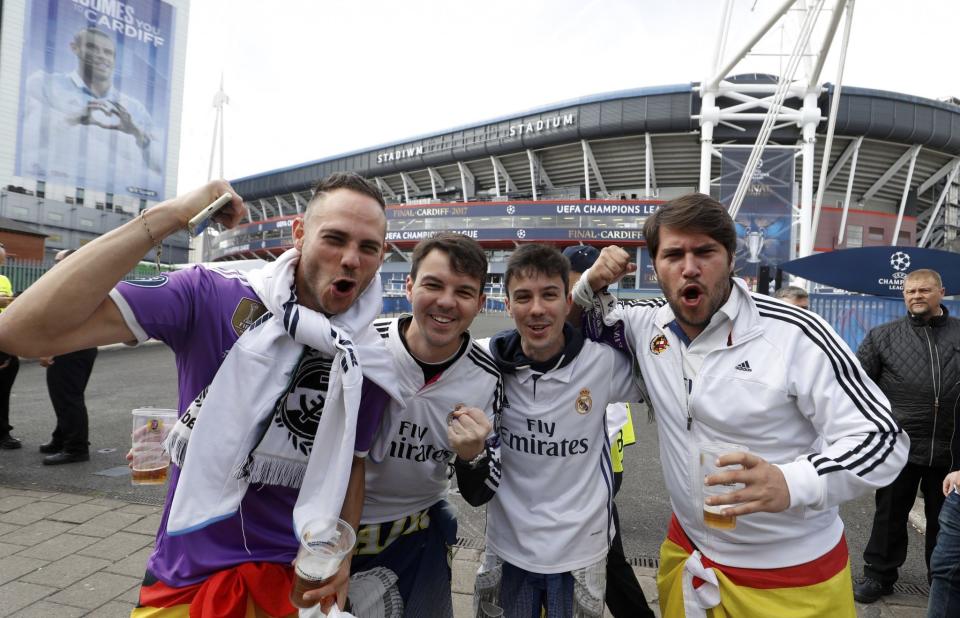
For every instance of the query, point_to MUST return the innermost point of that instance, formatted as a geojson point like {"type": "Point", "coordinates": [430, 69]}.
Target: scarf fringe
{"type": "Point", "coordinates": [176, 445]}
{"type": "Point", "coordinates": [269, 470]}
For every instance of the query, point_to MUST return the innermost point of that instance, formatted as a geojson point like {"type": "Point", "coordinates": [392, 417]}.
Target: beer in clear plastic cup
{"type": "Point", "coordinates": [713, 516]}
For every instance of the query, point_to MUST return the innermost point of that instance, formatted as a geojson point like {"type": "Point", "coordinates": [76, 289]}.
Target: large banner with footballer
{"type": "Point", "coordinates": [95, 94]}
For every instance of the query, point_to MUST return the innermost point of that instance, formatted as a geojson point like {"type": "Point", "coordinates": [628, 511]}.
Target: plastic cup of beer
{"type": "Point", "coordinates": [710, 452]}
{"type": "Point", "coordinates": [151, 462]}
{"type": "Point", "coordinates": [324, 543]}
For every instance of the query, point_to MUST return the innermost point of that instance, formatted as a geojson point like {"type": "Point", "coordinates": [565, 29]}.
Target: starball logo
{"type": "Point", "coordinates": [899, 262]}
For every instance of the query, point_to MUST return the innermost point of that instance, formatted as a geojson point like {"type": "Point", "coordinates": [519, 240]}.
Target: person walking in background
{"type": "Point", "coordinates": [67, 377]}
{"type": "Point", "coordinates": [795, 295]}
{"type": "Point", "coordinates": [9, 367]}
{"type": "Point", "coordinates": [916, 362]}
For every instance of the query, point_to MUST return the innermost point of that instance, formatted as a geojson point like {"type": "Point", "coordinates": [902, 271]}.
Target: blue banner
{"type": "Point", "coordinates": [538, 208]}
{"type": "Point", "coordinates": [763, 221]}
{"type": "Point", "coordinates": [876, 270]}
{"type": "Point", "coordinates": [95, 95]}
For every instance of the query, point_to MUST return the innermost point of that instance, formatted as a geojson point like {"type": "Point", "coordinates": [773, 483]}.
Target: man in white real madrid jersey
{"type": "Point", "coordinates": [451, 391]}
{"type": "Point", "coordinates": [549, 523]}
{"type": "Point", "coordinates": [724, 365]}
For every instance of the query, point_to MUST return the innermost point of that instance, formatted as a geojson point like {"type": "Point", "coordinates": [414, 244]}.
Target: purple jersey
{"type": "Point", "coordinates": [200, 313]}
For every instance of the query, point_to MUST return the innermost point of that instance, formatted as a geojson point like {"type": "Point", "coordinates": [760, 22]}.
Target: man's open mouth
{"type": "Point", "coordinates": [691, 293]}
{"type": "Point", "coordinates": [344, 286]}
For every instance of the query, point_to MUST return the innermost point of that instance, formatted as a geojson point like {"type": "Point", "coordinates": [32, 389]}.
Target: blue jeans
{"type": "Point", "coordinates": [945, 563]}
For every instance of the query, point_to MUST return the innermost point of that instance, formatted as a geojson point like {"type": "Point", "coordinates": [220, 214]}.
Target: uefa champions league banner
{"type": "Point", "coordinates": [764, 219]}
{"type": "Point", "coordinates": [95, 94]}
{"type": "Point", "coordinates": [879, 271]}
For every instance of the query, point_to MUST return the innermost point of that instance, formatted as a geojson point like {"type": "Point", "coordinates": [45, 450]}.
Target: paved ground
{"type": "Point", "coordinates": [68, 554]}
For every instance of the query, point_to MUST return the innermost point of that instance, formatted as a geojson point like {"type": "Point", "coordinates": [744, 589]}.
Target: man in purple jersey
{"type": "Point", "coordinates": [241, 560]}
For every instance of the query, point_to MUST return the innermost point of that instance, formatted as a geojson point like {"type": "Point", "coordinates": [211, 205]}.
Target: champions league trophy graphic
{"type": "Point", "coordinates": [754, 239]}
{"type": "Point", "coordinates": [762, 239]}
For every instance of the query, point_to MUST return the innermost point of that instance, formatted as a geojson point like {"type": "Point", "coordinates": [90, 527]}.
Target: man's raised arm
{"type": "Point", "coordinates": [68, 308]}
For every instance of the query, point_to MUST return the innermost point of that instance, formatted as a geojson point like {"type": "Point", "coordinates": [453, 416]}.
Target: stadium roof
{"type": "Point", "coordinates": [547, 144]}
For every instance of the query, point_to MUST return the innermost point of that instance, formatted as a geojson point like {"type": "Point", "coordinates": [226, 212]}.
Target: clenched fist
{"type": "Point", "coordinates": [467, 431]}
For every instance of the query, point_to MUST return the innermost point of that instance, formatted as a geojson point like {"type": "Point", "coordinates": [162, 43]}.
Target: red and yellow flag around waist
{"type": "Point", "coordinates": [821, 587]}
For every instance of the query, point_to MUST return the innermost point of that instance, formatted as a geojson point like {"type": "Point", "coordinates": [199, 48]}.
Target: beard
{"type": "Point", "coordinates": [714, 298]}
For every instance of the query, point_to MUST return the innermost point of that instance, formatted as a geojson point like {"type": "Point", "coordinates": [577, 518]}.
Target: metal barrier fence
{"type": "Point", "coordinates": [22, 273]}
{"type": "Point", "coordinates": [853, 316]}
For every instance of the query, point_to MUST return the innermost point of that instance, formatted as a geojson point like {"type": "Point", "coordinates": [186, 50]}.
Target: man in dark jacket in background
{"type": "Point", "coordinates": [916, 363]}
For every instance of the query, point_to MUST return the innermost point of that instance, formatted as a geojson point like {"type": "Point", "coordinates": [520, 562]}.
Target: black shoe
{"type": "Point", "coordinates": [51, 447]}
{"type": "Point", "coordinates": [870, 590]}
{"type": "Point", "coordinates": [9, 443]}
{"type": "Point", "coordinates": [64, 457]}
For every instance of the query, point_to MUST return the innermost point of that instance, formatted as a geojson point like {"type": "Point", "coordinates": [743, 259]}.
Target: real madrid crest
{"type": "Point", "coordinates": [658, 344]}
{"type": "Point", "coordinates": [584, 402]}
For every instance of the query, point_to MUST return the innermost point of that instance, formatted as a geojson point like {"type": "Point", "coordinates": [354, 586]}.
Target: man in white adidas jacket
{"type": "Point", "coordinates": [724, 365]}
{"type": "Point", "coordinates": [451, 394]}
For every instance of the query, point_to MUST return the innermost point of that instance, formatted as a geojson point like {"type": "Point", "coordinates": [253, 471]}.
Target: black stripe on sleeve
{"type": "Point", "coordinates": [851, 381]}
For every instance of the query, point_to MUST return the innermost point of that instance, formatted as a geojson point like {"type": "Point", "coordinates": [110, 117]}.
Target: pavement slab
{"type": "Point", "coordinates": [95, 590]}
{"type": "Point", "coordinates": [66, 571]}
{"type": "Point", "coordinates": [35, 533]}
{"type": "Point", "coordinates": [80, 513]}
{"type": "Point", "coordinates": [32, 512]}
{"type": "Point", "coordinates": [117, 546]}
{"type": "Point", "coordinates": [59, 546]}
{"type": "Point", "coordinates": [17, 595]}
{"type": "Point", "coordinates": [14, 567]}
{"type": "Point", "coordinates": [46, 609]}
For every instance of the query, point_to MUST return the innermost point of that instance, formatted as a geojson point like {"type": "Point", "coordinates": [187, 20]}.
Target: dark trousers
{"type": "Point", "coordinates": [887, 548]}
{"type": "Point", "coordinates": [67, 379]}
{"type": "Point", "coordinates": [7, 375]}
{"type": "Point", "coordinates": [624, 596]}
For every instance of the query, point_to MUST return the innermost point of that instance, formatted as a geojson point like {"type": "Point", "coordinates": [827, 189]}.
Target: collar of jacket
{"type": "Point", "coordinates": [934, 322]}
{"type": "Point", "coordinates": [509, 357]}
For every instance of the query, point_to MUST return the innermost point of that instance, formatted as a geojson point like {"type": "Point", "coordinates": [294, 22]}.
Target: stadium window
{"type": "Point", "coordinates": [904, 238]}
{"type": "Point", "coordinates": [54, 216]}
{"type": "Point", "coordinates": [79, 197]}
{"type": "Point", "coordinates": [109, 200]}
{"type": "Point", "coordinates": [875, 233]}
{"type": "Point", "coordinates": [854, 236]}
{"type": "Point", "coordinates": [143, 203]}
{"type": "Point", "coordinates": [86, 222]}
{"type": "Point", "coordinates": [41, 188]}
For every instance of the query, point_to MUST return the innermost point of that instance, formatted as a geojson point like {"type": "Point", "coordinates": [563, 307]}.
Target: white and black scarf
{"type": "Point", "coordinates": [228, 439]}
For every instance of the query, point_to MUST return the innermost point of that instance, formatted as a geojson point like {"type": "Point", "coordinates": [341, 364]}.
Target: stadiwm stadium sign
{"type": "Point", "coordinates": [879, 271]}
{"type": "Point", "coordinates": [399, 154]}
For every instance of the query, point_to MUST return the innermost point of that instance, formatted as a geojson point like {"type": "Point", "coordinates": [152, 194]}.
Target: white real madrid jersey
{"type": "Point", "coordinates": [552, 511]}
{"type": "Point", "coordinates": [406, 469]}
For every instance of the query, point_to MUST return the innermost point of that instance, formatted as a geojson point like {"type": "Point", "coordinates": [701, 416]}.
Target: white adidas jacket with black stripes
{"type": "Point", "coordinates": [778, 380]}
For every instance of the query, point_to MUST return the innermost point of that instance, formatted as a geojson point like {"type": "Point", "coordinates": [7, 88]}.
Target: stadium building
{"type": "Point", "coordinates": [90, 105]}
{"type": "Point", "coordinates": [592, 169]}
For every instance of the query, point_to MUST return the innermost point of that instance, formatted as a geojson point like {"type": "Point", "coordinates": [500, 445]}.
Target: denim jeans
{"type": "Point", "coordinates": [945, 563]}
